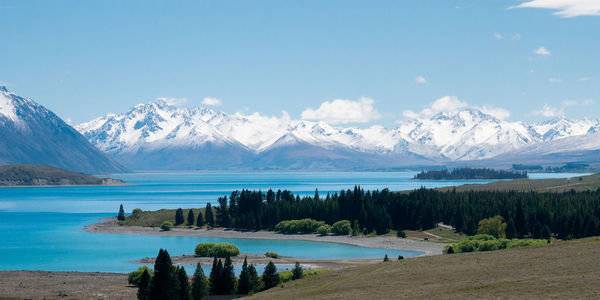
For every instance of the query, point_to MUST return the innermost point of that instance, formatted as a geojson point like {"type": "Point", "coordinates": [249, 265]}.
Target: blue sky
{"type": "Point", "coordinates": [83, 59]}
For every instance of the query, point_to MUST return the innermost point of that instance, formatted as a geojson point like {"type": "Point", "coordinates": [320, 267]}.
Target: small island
{"type": "Point", "coordinates": [470, 174]}
{"type": "Point", "coordinates": [40, 175]}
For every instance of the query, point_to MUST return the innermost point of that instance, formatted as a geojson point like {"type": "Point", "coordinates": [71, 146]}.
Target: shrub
{"type": "Point", "coordinates": [271, 254]}
{"type": "Point", "coordinates": [136, 212]}
{"type": "Point", "coordinates": [401, 234]}
{"type": "Point", "coordinates": [166, 225]}
{"type": "Point", "coordinates": [494, 226]}
{"type": "Point", "coordinates": [134, 277]}
{"type": "Point", "coordinates": [287, 275]}
{"type": "Point", "coordinates": [324, 229]}
{"type": "Point", "coordinates": [486, 242]}
{"type": "Point", "coordinates": [342, 227]}
{"type": "Point", "coordinates": [216, 249]}
{"type": "Point", "coordinates": [298, 226]}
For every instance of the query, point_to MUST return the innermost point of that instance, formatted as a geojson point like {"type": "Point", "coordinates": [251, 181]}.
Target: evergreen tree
{"type": "Point", "coordinates": [214, 278]}
{"type": "Point", "coordinates": [520, 222]}
{"type": "Point", "coordinates": [199, 284]}
{"type": "Point", "coordinates": [297, 272]}
{"type": "Point", "coordinates": [450, 250]}
{"type": "Point", "coordinates": [121, 216]}
{"type": "Point", "coordinates": [546, 232]}
{"type": "Point", "coordinates": [143, 286]}
{"type": "Point", "coordinates": [200, 220]}
{"type": "Point", "coordinates": [253, 279]}
{"type": "Point", "coordinates": [511, 232]}
{"type": "Point", "coordinates": [244, 280]}
{"type": "Point", "coordinates": [228, 277]}
{"type": "Point", "coordinates": [164, 285]}
{"type": "Point", "coordinates": [184, 284]}
{"type": "Point", "coordinates": [222, 212]}
{"type": "Point", "coordinates": [208, 215]}
{"type": "Point", "coordinates": [356, 228]}
{"type": "Point", "coordinates": [270, 276]}
{"type": "Point", "coordinates": [385, 258]}
{"type": "Point", "coordinates": [191, 219]}
{"type": "Point", "coordinates": [179, 217]}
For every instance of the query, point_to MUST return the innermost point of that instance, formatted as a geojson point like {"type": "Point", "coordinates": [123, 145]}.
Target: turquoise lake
{"type": "Point", "coordinates": [41, 228]}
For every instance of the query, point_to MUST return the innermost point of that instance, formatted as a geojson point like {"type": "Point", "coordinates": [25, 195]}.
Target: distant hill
{"type": "Point", "coordinates": [579, 184]}
{"type": "Point", "coordinates": [32, 134]}
{"type": "Point", "coordinates": [468, 174]}
{"type": "Point", "coordinates": [24, 175]}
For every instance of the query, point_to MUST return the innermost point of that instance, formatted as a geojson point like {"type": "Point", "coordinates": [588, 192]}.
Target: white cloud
{"type": "Point", "coordinates": [548, 111]}
{"type": "Point", "coordinates": [453, 104]}
{"type": "Point", "coordinates": [585, 102]}
{"type": "Point", "coordinates": [174, 101]}
{"type": "Point", "coordinates": [421, 80]}
{"type": "Point", "coordinates": [516, 36]}
{"type": "Point", "coordinates": [340, 111]}
{"type": "Point", "coordinates": [566, 8]}
{"type": "Point", "coordinates": [584, 79]}
{"type": "Point", "coordinates": [542, 51]}
{"type": "Point", "coordinates": [69, 121]}
{"type": "Point", "coordinates": [498, 36]}
{"type": "Point", "coordinates": [211, 101]}
{"type": "Point", "coordinates": [554, 80]}
{"type": "Point", "coordinates": [498, 112]}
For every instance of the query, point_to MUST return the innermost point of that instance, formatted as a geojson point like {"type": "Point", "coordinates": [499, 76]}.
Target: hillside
{"type": "Point", "coordinates": [32, 134]}
{"type": "Point", "coordinates": [581, 183]}
{"type": "Point", "coordinates": [24, 175]}
{"type": "Point", "coordinates": [567, 269]}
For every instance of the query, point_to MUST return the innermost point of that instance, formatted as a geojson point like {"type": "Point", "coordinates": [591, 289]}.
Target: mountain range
{"type": "Point", "coordinates": [162, 136]}
{"type": "Point", "coordinates": [32, 134]}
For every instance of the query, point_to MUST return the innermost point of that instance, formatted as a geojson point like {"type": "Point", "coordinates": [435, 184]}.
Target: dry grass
{"type": "Point", "coordinates": [157, 217]}
{"type": "Point", "coordinates": [561, 270]}
{"type": "Point", "coordinates": [581, 183]}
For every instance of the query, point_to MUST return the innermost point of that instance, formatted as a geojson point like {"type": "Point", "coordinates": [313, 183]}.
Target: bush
{"type": "Point", "coordinates": [401, 234]}
{"type": "Point", "coordinates": [136, 212]}
{"type": "Point", "coordinates": [486, 242]}
{"type": "Point", "coordinates": [298, 226]}
{"type": "Point", "coordinates": [216, 249]}
{"type": "Point", "coordinates": [494, 226]}
{"type": "Point", "coordinates": [166, 225]}
{"type": "Point", "coordinates": [271, 254]}
{"type": "Point", "coordinates": [287, 275]}
{"type": "Point", "coordinates": [134, 277]}
{"type": "Point", "coordinates": [342, 227]}
{"type": "Point", "coordinates": [324, 229]}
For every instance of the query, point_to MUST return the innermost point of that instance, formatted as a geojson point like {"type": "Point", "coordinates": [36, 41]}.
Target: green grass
{"type": "Point", "coordinates": [43, 175]}
{"type": "Point", "coordinates": [446, 235]}
{"type": "Point", "coordinates": [157, 217]}
{"type": "Point", "coordinates": [580, 183]}
{"type": "Point", "coordinates": [286, 275]}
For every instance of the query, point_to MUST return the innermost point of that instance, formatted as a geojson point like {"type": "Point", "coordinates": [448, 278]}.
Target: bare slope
{"type": "Point", "coordinates": [561, 270]}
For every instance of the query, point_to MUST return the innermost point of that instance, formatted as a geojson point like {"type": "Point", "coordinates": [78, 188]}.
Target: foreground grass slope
{"type": "Point", "coordinates": [561, 270]}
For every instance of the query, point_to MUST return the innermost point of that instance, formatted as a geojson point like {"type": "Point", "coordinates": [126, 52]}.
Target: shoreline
{"type": "Point", "coordinates": [110, 226]}
{"type": "Point", "coordinates": [63, 185]}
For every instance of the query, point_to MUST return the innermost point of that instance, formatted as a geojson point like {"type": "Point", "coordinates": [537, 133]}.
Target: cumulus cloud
{"type": "Point", "coordinates": [554, 80]}
{"type": "Point", "coordinates": [174, 101]}
{"type": "Point", "coordinates": [498, 36]}
{"type": "Point", "coordinates": [421, 80]}
{"type": "Point", "coordinates": [340, 111]}
{"type": "Point", "coordinates": [211, 101]}
{"type": "Point", "coordinates": [453, 104]}
{"type": "Point", "coordinates": [548, 111]}
{"type": "Point", "coordinates": [542, 51]}
{"type": "Point", "coordinates": [566, 8]}
{"type": "Point", "coordinates": [585, 102]}
{"type": "Point", "coordinates": [584, 79]}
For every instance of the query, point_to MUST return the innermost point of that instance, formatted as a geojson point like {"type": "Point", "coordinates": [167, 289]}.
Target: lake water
{"type": "Point", "coordinates": [42, 228]}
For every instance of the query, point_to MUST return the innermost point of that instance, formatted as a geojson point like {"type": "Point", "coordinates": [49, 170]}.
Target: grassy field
{"type": "Point", "coordinates": [581, 183]}
{"type": "Point", "coordinates": [567, 269]}
{"type": "Point", "coordinates": [25, 175]}
{"type": "Point", "coordinates": [157, 217]}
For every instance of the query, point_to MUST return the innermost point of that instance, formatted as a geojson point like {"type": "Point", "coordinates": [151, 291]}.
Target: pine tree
{"type": "Point", "coordinates": [385, 258]}
{"type": "Point", "coordinates": [450, 250]}
{"type": "Point", "coordinates": [546, 232]}
{"type": "Point", "coordinates": [213, 278]}
{"type": "Point", "coordinates": [355, 228]}
{"type": "Point", "coordinates": [253, 279]}
{"type": "Point", "coordinates": [297, 272]}
{"type": "Point", "coordinates": [199, 284]}
{"type": "Point", "coordinates": [200, 220]}
{"type": "Point", "coordinates": [520, 222]}
{"type": "Point", "coordinates": [270, 276]}
{"type": "Point", "coordinates": [143, 286]}
{"type": "Point", "coordinates": [511, 232]}
{"type": "Point", "coordinates": [184, 284]}
{"type": "Point", "coordinates": [178, 217]}
{"type": "Point", "coordinates": [228, 277]}
{"type": "Point", "coordinates": [121, 216]}
{"type": "Point", "coordinates": [244, 280]}
{"type": "Point", "coordinates": [164, 285]}
{"type": "Point", "coordinates": [208, 215]}
{"type": "Point", "coordinates": [191, 219]}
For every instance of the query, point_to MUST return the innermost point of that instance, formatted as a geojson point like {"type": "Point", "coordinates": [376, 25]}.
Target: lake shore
{"type": "Point", "coordinates": [385, 242]}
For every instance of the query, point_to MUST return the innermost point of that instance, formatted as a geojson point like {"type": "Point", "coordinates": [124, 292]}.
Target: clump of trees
{"type": "Point", "coordinates": [486, 242]}
{"type": "Point", "coordinates": [341, 227]}
{"type": "Point", "coordinates": [216, 250]}
{"type": "Point", "coordinates": [494, 226]}
{"type": "Point", "coordinates": [166, 225]}
{"type": "Point", "coordinates": [469, 173]}
{"type": "Point", "coordinates": [526, 214]}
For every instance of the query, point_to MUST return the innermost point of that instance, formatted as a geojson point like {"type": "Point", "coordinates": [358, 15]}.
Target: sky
{"type": "Point", "coordinates": [344, 62]}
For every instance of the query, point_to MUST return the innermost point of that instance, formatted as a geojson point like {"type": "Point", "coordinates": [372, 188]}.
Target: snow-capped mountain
{"type": "Point", "coordinates": [150, 135]}
{"type": "Point", "coordinates": [31, 134]}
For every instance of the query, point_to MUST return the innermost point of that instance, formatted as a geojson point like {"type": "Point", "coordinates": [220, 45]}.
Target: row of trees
{"type": "Point", "coordinates": [169, 282]}
{"type": "Point", "coordinates": [469, 173]}
{"type": "Point", "coordinates": [534, 214]}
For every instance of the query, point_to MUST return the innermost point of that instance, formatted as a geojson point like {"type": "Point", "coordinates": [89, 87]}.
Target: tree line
{"type": "Point", "coordinates": [527, 214]}
{"type": "Point", "coordinates": [470, 173]}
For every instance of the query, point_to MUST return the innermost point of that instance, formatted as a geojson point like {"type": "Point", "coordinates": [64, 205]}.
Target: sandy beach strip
{"type": "Point", "coordinates": [384, 242]}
